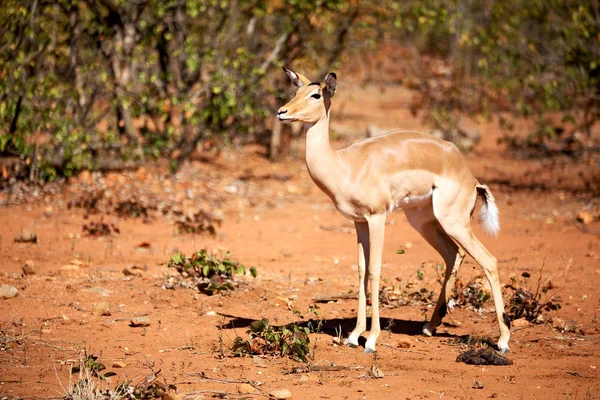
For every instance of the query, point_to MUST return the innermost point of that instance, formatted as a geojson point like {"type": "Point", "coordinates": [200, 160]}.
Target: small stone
{"type": "Point", "coordinates": [101, 308]}
{"type": "Point", "coordinates": [518, 323]}
{"type": "Point", "coordinates": [478, 385]}
{"type": "Point", "coordinates": [173, 396]}
{"type": "Point", "coordinates": [558, 323]}
{"type": "Point", "coordinates": [29, 268]}
{"type": "Point", "coordinates": [139, 322]}
{"type": "Point", "coordinates": [376, 372]}
{"type": "Point", "coordinates": [8, 291]}
{"type": "Point", "coordinates": [26, 236]}
{"type": "Point", "coordinates": [130, 272]}
{"type": "Point", "coordinates": [585, 217]}
{"type": "Point", "coordinates": [48, 211]}
{"type": "Point", "coordinates": [70, 270]}
{"type": "Point", "coordinates": [307, 378]}
{"type": "Point", "coordinates": [281, 394]}
{"type": "Point", "coordinates": [119, 364]}
{"type": "Point", "coordinates": [246, 388]}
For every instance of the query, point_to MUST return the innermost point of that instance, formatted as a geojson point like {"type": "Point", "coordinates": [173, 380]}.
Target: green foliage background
{"type": "Point", "coordinates": [109, 83]}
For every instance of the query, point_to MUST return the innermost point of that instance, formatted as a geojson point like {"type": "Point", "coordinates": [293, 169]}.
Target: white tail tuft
{"type": "Point", "coordinates": [489, 211]}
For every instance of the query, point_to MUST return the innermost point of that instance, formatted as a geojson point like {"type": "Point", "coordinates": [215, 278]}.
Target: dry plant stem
{"type": "Point", "coordinates": [405, 351]}
{"type": "Point", "coordinates": [205, 378]}
{"type": "Point", "coordinates": [426, 177]}
{"type": "Point", "coordinates": [322, 368]}
{"type": "Point", "coordinates": [223, 394]}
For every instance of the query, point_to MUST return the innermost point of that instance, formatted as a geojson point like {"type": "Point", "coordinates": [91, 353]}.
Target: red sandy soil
{"type": "Point", "coordinates": [274, 218]}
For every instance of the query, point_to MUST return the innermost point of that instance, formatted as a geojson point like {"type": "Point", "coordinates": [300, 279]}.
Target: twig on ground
{"type": "Point", "coordinates": [405, 350]}
{"type": "Point", "coordinates": [321, 368]}
{"type": "Point", "coordinates": [203, 377]}
{"type": "Point", "coordinates": [223, 395]}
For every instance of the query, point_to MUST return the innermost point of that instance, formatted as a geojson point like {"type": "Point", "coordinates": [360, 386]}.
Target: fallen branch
{"type": "Point", "coordinates": [321, 368]}
{"type": "Point", "coordinates": [404, 350]}
{"type": "Point", "coordinates": [204, 378]}
{"type": "Point", "coordinates": [223, 395]}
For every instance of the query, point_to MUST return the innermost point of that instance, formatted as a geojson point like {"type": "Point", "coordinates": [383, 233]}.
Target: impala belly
{"type": "Point", "coordinates": [412, 201]}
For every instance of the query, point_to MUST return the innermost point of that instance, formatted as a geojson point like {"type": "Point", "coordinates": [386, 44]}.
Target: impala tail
{"type": "Point", "coordinates": [489, 211]}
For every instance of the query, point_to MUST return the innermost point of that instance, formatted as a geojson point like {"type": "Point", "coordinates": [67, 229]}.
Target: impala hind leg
{"type": "Point", "coordinates": [362, 234]}
{"type": "Point", "coordinates": [425, 223]}
{"type": "Point", "coordinates": [456, 223]}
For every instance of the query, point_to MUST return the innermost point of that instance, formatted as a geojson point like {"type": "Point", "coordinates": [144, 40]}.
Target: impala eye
{"type": "Point", "coordinates": [316, 96]}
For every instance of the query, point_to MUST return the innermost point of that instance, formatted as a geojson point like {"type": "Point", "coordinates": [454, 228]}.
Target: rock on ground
{"type": "Point", "coordinates": [26, 236]}
{"type": "Point", "coordinates": [8, 291]}
{"type": "Point", "coordinates": [101, 308]}
{"type": "Point", "coordinates": [281, 394]}
{"type": "Point", "coordinates": [246, 388]}
{"type": "Point", "coordinates": [139, 321]}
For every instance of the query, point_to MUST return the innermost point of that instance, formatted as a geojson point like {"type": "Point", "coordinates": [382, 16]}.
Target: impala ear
{"type": "Point", "coordinates": [297, 79]}
{"type": "Point", "coordinates": [331, 83]}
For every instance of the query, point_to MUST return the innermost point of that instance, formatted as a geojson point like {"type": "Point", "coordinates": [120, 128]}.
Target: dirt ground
{"type": "Point", "coordinates": [276, 219]}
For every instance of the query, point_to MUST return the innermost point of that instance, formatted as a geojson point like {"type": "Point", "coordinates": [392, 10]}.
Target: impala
{"type": "Point", "coordinates": [425, 176]}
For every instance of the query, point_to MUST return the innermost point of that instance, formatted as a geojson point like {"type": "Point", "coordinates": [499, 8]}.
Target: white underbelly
{"type": "Point", "coordinates": [411, 201]}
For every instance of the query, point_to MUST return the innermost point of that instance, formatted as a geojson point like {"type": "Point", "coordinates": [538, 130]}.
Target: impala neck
{"type": "Point", "coordinates": [321, 159]}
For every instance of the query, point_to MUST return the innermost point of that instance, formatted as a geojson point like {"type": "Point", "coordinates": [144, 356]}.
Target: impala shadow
{"type": "Point", "coordinates": [333, 326]}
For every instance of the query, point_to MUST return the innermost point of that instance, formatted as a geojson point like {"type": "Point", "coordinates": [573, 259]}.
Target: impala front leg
{"type": "Point", "coordinates": [376, 238]}
{"type": "Point", "coordinates": [362, 233]}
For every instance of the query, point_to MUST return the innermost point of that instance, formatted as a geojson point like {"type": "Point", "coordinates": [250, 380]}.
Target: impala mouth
{"type": "Point", "coordinates": [284, 118]}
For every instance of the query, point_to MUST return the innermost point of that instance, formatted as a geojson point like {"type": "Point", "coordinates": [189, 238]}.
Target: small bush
{"type": "Point", "coordinates": [523, 303]}
{"type": "Point", "coordinates": [210, 273]}
{"type": "Point", "coordinates": [92, 384]}
{"type": "Point", "coordinates": [199, 223]}
{"type": "Point", "coordinates": [90, 200]}
{"type": "Point", "coordinates": [100, 228]}
{"type": "Point", "coordinates": [286, 341]}
{"type": "Point", "coordinates": [473, 294]}
{"type": "Point", "coordinates": [132, 208]}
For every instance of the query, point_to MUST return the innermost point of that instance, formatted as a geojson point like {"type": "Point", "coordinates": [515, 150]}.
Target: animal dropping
{"type": "Point", "coordinates": [425, 176]}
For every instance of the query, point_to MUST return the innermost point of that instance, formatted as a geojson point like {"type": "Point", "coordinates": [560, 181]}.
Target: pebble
{"type": "Point", "coordinates": [119, 364]}
{"type": "Point", "coordinates": [173, 396]}
{"type": "Point", "coordinates": [281, 394]}
{"type": "Point", "coordinates": [246, 388]}
{"type": "Point", "coordinates": [558, 323]}
{"type": "Point", "coordinates": [376, 372]}
{"type": "Point", "coordinates": [130, 272]}
{"type": "Point", "coordinates": [478, 385]}
{"type": "Point", "coordinates": [306, 378]}
{"type": "Point", "coordinates": [101, 308]}
{"type": "Point", "coordinates": [139, 321]}
{"type": "Point", "coordinates": [8, 291]}
{"type": "Point", "coordinates": [26, 236]}
{"type": "Point", "coordinates": [70, 270]}
{"type": "Point", "coordinates": [517, 323]}
{"type": "Point", "coordinates": [29, 268]}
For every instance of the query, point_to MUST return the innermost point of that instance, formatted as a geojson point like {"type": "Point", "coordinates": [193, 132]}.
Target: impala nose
{"type": "Point", "coordinates": [280, 112]}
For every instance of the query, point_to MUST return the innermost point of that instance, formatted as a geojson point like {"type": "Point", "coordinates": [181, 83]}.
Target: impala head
{"type": "Point", "coordinates": [312, 100]}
